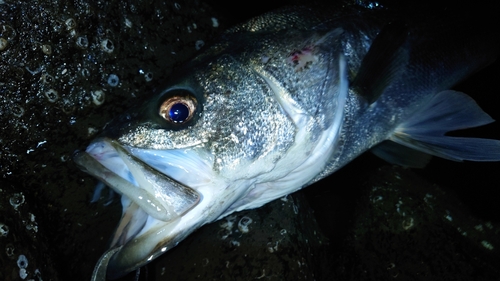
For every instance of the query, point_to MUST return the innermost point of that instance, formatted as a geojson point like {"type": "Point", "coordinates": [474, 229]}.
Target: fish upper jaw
{"type": "Point", "coordinates": [160, 196]}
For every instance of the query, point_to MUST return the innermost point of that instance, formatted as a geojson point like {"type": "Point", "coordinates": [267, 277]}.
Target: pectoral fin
{"type": "Point", "coordinates": [401, 155]}
{"type": "Point", "coordinates": [449, 110]}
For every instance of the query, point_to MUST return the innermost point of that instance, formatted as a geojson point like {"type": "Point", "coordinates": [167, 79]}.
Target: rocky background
{"type": "Point", "coordinates": [68, 67]}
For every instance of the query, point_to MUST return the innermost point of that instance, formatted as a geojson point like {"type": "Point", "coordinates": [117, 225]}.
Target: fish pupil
{"type": "Point", "coordinates": [179, 112]}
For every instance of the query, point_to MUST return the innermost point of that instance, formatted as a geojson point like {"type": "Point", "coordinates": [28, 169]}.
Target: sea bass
{"type": "Point", "coordinates": [277, 104]}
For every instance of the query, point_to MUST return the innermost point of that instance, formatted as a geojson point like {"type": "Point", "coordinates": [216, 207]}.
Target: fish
{"type": "Point", "coordinates": [278, 103]}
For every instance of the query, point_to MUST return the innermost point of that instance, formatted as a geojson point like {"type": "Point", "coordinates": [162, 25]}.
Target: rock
{"type": "Point", "coordinates": [279, 241]}
{"type": "Point", "coordinates": [401, 226]}
{"type": "Point", "coordinates": [68, 67]}
{"type": "Point", "coordinates": [25, 250]}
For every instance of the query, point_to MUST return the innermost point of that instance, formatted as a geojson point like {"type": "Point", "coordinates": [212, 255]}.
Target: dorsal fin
{"type": "Point", "coordinates": [383, 63]}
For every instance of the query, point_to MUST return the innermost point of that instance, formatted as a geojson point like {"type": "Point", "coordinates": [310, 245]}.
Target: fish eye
{"type": "Point", "coordinates": [178, 109]}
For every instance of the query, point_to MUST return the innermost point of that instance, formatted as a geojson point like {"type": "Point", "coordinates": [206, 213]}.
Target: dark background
{"type": "Point", "coordinates": [72, 233]}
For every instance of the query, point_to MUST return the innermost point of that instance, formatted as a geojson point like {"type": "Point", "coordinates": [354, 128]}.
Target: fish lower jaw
{"type": "Point", "coordinates": [156, 237]}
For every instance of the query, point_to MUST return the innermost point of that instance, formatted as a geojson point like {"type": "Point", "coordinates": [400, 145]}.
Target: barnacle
{"type": "Point", "coordinates": [17, 110]}
{"type": "Point", "coordinates": [22, 261]}
{"type": "Point", "coordinates": [22, 273]}
{"type": "Point", "coordinates": [199, 44]}
{"type": "Point", "coordinates": [4, 230]}
{"type": "Point", "coordinates": [9, 250]}
{"type": "Point", "coordinates": [70, 24]}
{"type": "Point", "coordinates": [113, 80]}
{"type": "Point", "coordinates": [148, 76]}
{"type": "Point", "coordinates": [16, 200]}
{"type": "Point", "coordinates": [3, 43]}
{"type": "Point", "coordinates": [47, 49]}
{"type": "Point", "coordinates": [82, 42]}
{"type": "Point", "coordinates": [52, 95]}
{"type": "Point", "coordinates": [244, 223]}
{"type": "Point", "coordinates": [47, 78]}
{"type": "Point", "coordinates": [107, 46]}
{"type": "Point", "coordinates": [8, 32]}
{"type": "Point", "coordinates": [98, 97]}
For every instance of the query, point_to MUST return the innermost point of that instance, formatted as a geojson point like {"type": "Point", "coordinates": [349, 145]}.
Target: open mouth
{"type": "Point", "coordinates": [151, 192]}
{"type": "Point", "coordinates": [151, 200]}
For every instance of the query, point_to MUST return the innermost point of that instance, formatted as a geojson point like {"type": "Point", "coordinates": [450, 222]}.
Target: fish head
{"type": "Point", "coordinates": [214, 134]}
{"type": "Point", "coordinates": [223, 136]}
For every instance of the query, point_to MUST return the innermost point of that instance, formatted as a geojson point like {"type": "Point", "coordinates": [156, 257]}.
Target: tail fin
{"type": "Point", "coordinates": [425, 131]}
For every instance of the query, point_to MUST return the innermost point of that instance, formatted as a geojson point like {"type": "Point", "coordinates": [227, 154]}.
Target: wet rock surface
{"type": "Point", "coordinates": [25, 250]}
{"type": "Point", "coordinates": [405, 227]}
{"type": "Point", "coordinates": [280, 241]}
{"type": "Point", "coordinates": [68, 67]}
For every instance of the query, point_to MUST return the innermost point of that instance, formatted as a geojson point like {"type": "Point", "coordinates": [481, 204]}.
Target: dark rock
{"type": "Point", "coordinates": [55, 97]}
{"type": "Point", "coordinates": [282, 242]}
{"type": "Point", "coordinates": [55, 62]}
{"type": "Point", "coordinates": [25, 250]}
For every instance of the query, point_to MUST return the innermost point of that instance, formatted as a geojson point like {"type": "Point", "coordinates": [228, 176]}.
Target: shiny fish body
{"type": "Point", "coordinates": [276, 104]}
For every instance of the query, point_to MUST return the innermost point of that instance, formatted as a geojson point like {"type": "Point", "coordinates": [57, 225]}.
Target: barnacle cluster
{"type": "Point", "coordinates": [67, 68]}
{"type": "Point", "coordinates": [69, 63]}
{"type": "Point", "coordinates": [22, 248]}
{"type": "Point", "coordinates": [22, 263]}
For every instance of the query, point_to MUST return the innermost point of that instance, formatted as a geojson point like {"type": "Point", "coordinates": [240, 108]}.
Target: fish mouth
{"type": "Point", "coordinates": [156, 207]}
{"type": "Point", "coordinates": [171, 198]}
